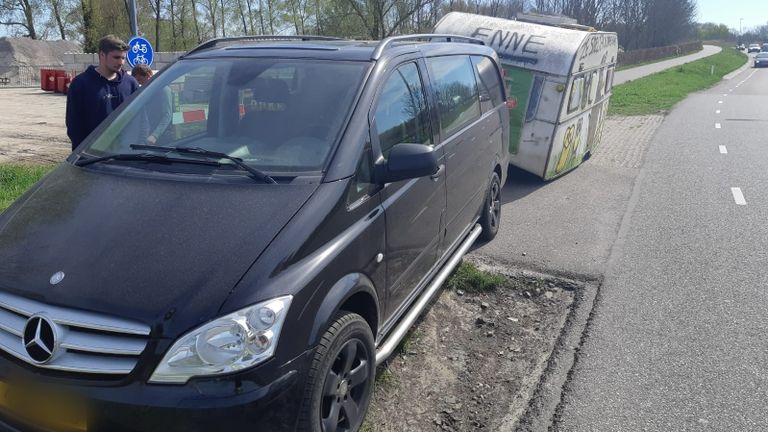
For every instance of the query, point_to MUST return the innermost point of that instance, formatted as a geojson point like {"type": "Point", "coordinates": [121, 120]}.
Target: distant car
{"type": "Point", "coordinates": [753, 48]}
{"type": "Point", "coordinates": [761, 59]}
{"type": "Point", "coordinates": [741, 47]}
{"type": "Point", "coordinates": [764, 48]}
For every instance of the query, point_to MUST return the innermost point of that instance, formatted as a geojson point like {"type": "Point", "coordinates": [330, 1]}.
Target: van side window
{"type": "Point", "coordinates": [401, 111]}
{"type": "Point", "coordinates": [489, 83]}
{"type": "Point", "coordinates": [457, 96]}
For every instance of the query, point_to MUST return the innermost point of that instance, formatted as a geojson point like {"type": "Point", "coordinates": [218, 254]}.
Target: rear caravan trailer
{"type": "Point", "coordinates": [561, 79]}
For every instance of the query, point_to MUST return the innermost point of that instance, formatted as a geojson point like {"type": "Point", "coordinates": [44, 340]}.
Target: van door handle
{"type": "Point", "coordinates": [440, 171]}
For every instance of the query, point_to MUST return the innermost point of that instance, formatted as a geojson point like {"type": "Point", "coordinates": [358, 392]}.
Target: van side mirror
{"type": "Point", "coordinates": [407, 161]}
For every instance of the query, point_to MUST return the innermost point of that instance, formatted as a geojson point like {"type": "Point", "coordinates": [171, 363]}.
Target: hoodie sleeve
{"type": "Point", "coordinates": [74, 114]}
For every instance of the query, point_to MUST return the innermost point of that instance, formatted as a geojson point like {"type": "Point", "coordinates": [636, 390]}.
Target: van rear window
{"type": "Point", "coordinates": [489, 83]}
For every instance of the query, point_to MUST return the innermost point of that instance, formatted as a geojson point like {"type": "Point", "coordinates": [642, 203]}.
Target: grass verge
{"type": "Point", "coordinates": [661, 91]}
{"type": "Point", "coordinates": [469, 278]}
{"type": "Point", "coordinates": [17, 178]}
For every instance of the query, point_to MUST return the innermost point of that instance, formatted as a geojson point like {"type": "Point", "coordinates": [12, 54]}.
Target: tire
{"type": "Point", "coordinates": [340, 379]}
{"type": "Point", "coordinates": [490, 214]}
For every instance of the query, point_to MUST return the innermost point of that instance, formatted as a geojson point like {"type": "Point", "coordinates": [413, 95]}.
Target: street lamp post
{"type": "Point", "coordinates": [134, 21]}
{"type": "Point", "coordinates": [740, 32]}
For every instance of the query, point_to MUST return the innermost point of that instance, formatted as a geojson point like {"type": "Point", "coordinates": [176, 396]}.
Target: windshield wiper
{"type": "Point", "coordinates": [147, 157]}
{"type": "Point", "coordinates": [261, 175]}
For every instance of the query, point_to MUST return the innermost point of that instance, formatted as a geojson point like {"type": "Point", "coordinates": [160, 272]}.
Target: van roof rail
{"type": "Point", "coordinates": [386, 43]}
{"type": "Point", "coordinates": [256, 38]}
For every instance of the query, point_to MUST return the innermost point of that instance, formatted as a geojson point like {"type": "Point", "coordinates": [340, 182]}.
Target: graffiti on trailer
{"type": "Point", "coordinates": [514, 46]}
{"type": "Point", "coordinates": [595, 44]}
{"type": "Point", "coordinates": [571, 143]}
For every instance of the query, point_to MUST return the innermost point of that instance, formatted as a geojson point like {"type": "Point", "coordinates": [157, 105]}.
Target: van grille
{"type": "Point", "coordinates": [84, 342]}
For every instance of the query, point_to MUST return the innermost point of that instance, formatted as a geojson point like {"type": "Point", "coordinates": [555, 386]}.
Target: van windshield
{"type": "Point", "coordinates": [277, 115]}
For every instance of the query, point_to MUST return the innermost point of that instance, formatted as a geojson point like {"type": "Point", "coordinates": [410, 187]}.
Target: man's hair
{"type": "Point", "coordinates": [110, 43]}
{"type": "Point", "coordinates": [142, 70]}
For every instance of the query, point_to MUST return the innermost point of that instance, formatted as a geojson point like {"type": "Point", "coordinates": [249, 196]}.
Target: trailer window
{"type": "Point", "coordinates": [574, 100]}
{"type": "Point", "coordinates": [533, 103]}
{"type": "Point", "coordinates": [593, 86]}
{"type": "Point", "coordinates": [609, 80]}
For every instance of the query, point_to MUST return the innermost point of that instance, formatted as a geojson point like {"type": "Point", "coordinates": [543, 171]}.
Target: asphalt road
{"type": "Point", "coordinates": [677, 338]}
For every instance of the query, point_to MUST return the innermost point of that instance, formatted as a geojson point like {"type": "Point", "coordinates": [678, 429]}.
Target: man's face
{"type": "Point", "coordinates": [112, 61]}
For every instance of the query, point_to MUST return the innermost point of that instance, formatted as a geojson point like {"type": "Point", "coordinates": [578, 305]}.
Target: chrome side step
{"type": "Point", "coordinates": [396, 335]}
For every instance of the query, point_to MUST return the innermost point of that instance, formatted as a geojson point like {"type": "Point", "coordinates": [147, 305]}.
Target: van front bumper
{"type": "Point", "coordinates": [246, 399]}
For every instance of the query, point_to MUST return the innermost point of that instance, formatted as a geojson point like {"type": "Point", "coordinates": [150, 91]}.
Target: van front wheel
{"type": "Point", "coordinates": [490, 218]}
{"type": "Point", "coordinates": [340, 380]}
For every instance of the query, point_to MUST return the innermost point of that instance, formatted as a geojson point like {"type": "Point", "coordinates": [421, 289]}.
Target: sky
{"type": "Point", "coordinates": [730, 12]}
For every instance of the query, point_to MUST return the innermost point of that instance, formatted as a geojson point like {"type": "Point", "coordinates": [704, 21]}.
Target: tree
{"type": "Point", "coordinates": [57, 12]}
{"type": "Point", "coordinates": [20, 13]}
{"type": "Point", "coordinates": [88, 26]}
{"type": "Point", "coordinates": [713, 31]}
{"type": "Point", "coordinates": [157, 8]}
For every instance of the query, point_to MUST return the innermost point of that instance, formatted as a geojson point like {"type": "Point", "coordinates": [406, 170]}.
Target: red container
{"type": "Point", "coordinates": [49, 80]}
{"type": "Point", "coordinates": [62, 84]}
{"type": "Point", "coordinates": [43, 78]}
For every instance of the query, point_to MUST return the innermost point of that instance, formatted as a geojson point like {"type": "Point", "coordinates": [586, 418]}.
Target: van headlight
{"type": "Point", "coordinates": [237, 341]}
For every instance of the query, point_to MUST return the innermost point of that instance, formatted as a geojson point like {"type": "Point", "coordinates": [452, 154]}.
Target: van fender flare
{"type": "Point", "coordinates": [337, 295]}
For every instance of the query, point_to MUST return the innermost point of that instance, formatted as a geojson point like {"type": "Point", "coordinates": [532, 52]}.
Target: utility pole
{"type": "Point", "coordinates": [134, 21]}
{"type": "Point", "coordinates": [740, 32]}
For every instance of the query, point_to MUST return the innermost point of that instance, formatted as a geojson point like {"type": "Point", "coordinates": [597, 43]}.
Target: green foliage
{"type": "Point", "coordinates": [661, 91]}
{"type": "Point", "coordinates": [712, 31]}
{"type": "Point", "coordinates": [469, 278]}
{"type": "Point", "coordinates": [17, 178]}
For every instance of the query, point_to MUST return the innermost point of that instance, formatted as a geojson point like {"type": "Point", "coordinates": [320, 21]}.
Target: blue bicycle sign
{"type": "Point", "coordinates": [139, 51]}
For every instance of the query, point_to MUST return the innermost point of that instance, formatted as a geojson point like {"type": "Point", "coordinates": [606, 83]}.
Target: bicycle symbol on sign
{"type": "Point", "coordinates": [139, 47]}
{"type": "Point", "coordinates": [140, 59]}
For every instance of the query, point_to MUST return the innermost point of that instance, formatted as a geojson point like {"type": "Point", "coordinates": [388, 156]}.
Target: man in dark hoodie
{"type": "Point", "coordinates": [98, 91]}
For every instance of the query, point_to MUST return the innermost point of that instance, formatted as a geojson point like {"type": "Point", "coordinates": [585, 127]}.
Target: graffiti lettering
{"type": "Point", "coordinates": [595, 44]}
{"type": "Point", "coordinates": [571, 143]}
{"type": "Point", "coordinates": [531, 41]}
{"type": "Point", "coordinates": [510, 45]}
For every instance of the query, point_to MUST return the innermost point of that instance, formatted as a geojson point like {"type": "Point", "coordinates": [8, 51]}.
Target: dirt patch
{"type": "Point", "coordinates": [474, 360]}
{"type": "Point", "coordinates": [32, 126]}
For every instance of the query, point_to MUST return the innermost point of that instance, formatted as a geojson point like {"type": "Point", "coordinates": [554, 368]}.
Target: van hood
{"type": "Point", "coordinates": [158, 251]}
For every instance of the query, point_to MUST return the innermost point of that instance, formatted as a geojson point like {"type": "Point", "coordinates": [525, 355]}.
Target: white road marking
{"type": "Point", "coordinates": [723, 150]}
{"type": "Point", "coordinates": [717, 125]}
{"type": "Point", "coordinates": [719, 101]}
{"type": "Point", "coordinates": [725, 94]}
{"type": "Point", "coordinates": [717, 111]}
{"type": "Point", "coordinates": [738, 196]}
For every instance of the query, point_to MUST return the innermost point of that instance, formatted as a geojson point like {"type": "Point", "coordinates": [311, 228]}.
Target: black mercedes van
{"type": "Point", "coordinates": [244, 240]}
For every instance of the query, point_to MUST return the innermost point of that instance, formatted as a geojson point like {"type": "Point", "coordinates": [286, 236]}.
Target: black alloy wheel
{"type": "Point", "coordinates": [490, 219]}
{"type": "Point", "coordinates": [341, 377]}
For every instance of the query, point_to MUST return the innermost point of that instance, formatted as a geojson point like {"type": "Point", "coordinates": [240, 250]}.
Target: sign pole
{"type": "Point", "coordinates": [134, 21]}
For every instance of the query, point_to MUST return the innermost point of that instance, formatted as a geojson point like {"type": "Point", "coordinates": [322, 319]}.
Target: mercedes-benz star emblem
{"type": "Point", "coordinates": [57, 277]}
{"type": "Point", "coordinates": [40, 339]}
